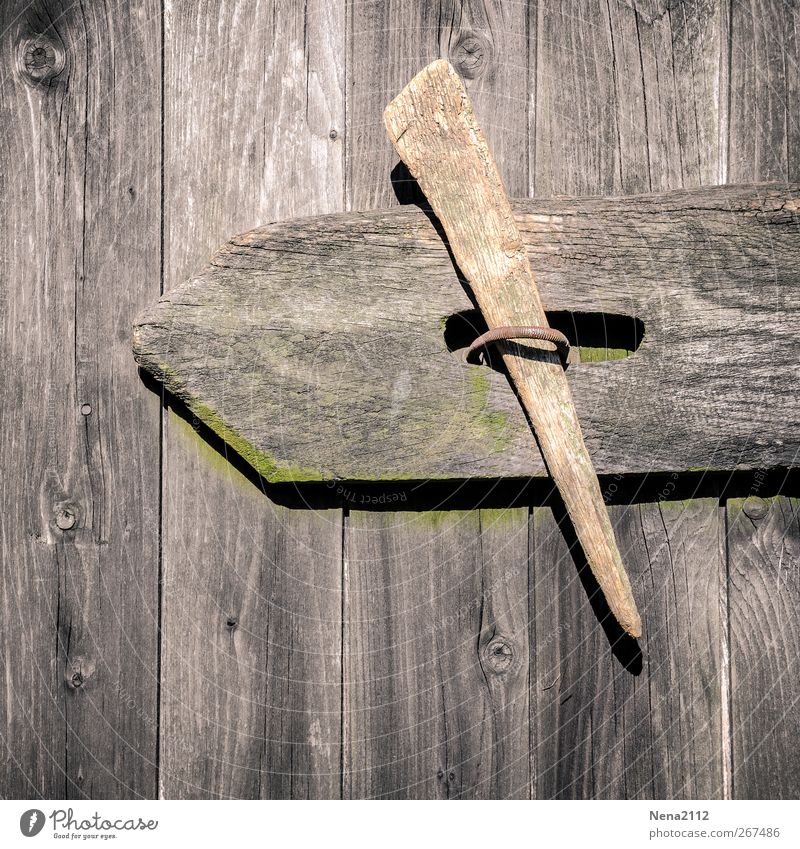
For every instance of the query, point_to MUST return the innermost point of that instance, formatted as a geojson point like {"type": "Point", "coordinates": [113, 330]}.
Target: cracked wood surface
{"type": "Point", "coordinates": [251, 668]}
{"type": "Point", "coordinates": [433, 127]}
{"type": "Point", "coordinates": [319, 348]}
{"type": "Point", "coordinates": [355, 652]}
{"type": "Point", "coordinates": [79, 446]}
{"type": "Point", "coordinates": [645, 113]}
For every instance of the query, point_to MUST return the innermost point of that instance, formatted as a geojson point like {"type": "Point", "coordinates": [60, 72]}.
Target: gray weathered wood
{"type": "Point", "coordinates": [764, 569]}
{"type": "Point", "coordinates": [79, 256]}
{"type": "Point", "coordinates": [253, 104]}
{"type": "Point", "coordinates": [437, 655]}
{"type": "Point", "coordinates": [458, 582]}
{"type": "Point", "coordinates": [763, 543]}
{"type": "Point", "coordinates": [254, 691]}
{"type": "Point", "coordinates": [642, 91]}
{"type": "Point", "coordinates": [316, 348]}
{"type": "Point", "coordinates": [433, 126]}
{"type": "Point", "coordinates": [487, 43]}
{"type": "Point", "coordinates": [602, 731]}
{"type": "Point", "coordinates": [764, 91]}
{"type": "Point", "coordinates": [242, 149]}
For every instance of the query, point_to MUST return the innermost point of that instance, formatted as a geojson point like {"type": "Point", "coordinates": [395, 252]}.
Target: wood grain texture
{"type": "Point", "coordinates": [639, 726]}
{"type": "Point", "coordinates": [338, 325]}
{"type": "Point", "coordinates": [437, 655]}
{"type": "Point", "coordinates": [254, 109]}
{"type": "Point", "coordinates": [627, 97]}
{"type": "Point", "coordinates": [486, 41]}
{"type": "Point", "coordinates": [628, 100]}
{"type": "Point", "coordinates": [79, 256]}
{"type": "Point", "coordinates": [433, 127]}
{"type": "Point", "coordinates": [477, 744]}
{"type": "Point", "coordinates": [764, 570]}
{"type": "Point", "coordinates": [764, 91]}
{"type": "Point", "coordinates": [762, 541]}
{"type": "Point", "coordinates": [265, 651]}
{"type": "Point", "coordinates": [250, 106]}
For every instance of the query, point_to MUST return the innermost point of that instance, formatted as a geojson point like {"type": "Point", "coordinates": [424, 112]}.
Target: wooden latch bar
{"type": "Point", "coordinates": [434, 130]}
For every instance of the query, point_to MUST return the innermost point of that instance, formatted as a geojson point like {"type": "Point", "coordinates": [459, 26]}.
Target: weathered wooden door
{"type": "Point", "coordinates": [170, 628]}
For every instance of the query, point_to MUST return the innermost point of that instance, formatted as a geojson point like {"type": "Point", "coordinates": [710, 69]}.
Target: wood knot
{"type": "Point", "coordinates": [40, 58]}
{"type": "Point", "coordinates": [78, 672]}
{"type": "Point", "coordinates": [498, 655]}
{"type": "Point", "coordinates": [471, 55]}
{"type": "Point", "coordinates": [66, 516]}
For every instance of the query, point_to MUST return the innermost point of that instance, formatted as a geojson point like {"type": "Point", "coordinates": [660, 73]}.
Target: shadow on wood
{"type": "Point", "coordinates": [505, 493]}
{"type": "Point", "coordinates": [624, 647]}
{"type": "Point", "coordinates": [336, 324]}
{"type": "Point", "coordinates": [407, 191]}
{"type": "Point", "coordinates": [483, 493]}
{"type": "Point", "coordinates": [593, 336]}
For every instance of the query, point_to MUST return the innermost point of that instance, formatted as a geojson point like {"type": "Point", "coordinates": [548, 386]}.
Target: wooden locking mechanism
{"type": "Point", "coordinates": [434, 130]}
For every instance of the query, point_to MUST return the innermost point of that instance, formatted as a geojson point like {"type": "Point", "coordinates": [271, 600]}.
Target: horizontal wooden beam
{"type": "Point", "coordinates": [321, 348]}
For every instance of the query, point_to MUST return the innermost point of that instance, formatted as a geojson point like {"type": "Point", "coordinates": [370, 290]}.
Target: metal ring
{"type": "Point", "coordinates": [544, 334]}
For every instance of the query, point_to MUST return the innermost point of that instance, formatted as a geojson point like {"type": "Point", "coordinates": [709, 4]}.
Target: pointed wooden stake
{"type": "Point", "coordinates": [434, 130]}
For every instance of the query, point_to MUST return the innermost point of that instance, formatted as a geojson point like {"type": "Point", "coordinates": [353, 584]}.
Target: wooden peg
{"type": "Point", "coordinates": [434, 130]}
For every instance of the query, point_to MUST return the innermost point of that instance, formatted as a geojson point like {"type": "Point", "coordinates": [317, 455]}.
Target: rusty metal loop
{"type": "Point", "coordinates": [544, 334]}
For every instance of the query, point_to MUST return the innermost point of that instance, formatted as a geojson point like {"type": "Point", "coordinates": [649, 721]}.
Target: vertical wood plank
{"type": "Point", "coordinates": [764, 569]}
{"type": "Point", "coordinates": [762, 541]}
{"type": "Point", "coordinates": [764, 75]}
{"type": "Point", "coordinates": [251, 689]}
{"type": "Point", "coordinates": [436, 653]}
{"type": "Point", "coordinates": [626, 102]}
{"type": "Point", "coordinates": [79, 257]}
{"type": "Point", "coordinates": [487, 43]}
{"type": "Point", "coordinates": [632, 727]}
